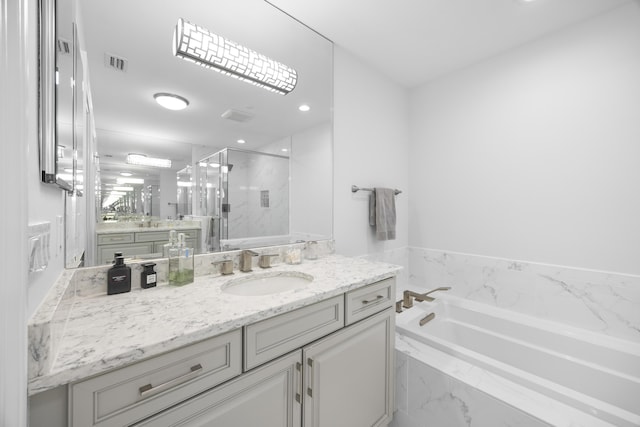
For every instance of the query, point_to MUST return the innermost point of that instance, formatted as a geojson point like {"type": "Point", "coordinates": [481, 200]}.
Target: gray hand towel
{"type": "Point", "coordinates": [384, 204]}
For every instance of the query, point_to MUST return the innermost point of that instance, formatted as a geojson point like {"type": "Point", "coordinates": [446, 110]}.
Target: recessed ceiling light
{"type": "Point", "coordinates": [171, 101]}
{"type": "Point", "coordinates": [304, 107]}
{"type": "Point", "coordinates": [126, 173]}
{"type": "Point", "coordinates": [241, 141]}
{"type": "Point", "coordinates": [285, 149]}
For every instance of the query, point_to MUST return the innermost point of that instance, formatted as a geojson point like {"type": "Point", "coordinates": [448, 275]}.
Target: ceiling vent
{"type": "Point", "coordinates": [63, 47]}
{"type": "Point", "coordinates": [114, 62]}
{"type": "Point", "coordinates": [237, 115]}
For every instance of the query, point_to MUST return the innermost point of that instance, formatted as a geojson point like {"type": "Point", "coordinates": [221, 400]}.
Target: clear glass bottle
{"type": "Point", "coordinates": [185, 271]}
{"type": "Point", "coordinates": [173, 253]}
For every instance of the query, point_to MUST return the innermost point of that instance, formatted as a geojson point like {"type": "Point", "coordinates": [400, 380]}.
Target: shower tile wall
{"type": "Point", "coordinates": [250, 176]}
{"type": "Point", "coordinates": [599, 301]}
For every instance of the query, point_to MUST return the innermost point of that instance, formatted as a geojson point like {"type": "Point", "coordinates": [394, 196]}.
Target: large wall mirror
{"type": "Point", "coordinates": [128, 49]}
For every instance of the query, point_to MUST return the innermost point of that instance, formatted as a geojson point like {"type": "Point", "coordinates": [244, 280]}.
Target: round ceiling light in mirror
{"type": "Point", "coordinates": [241, 141]}
{"type": "Point", "coordinates": [304, 108]}
{"type": "Point", "coordinates": [171, 101]}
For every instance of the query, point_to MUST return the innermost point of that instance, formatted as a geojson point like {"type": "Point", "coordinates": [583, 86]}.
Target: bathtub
{"type": "Point", "coordinates": [587, 378]}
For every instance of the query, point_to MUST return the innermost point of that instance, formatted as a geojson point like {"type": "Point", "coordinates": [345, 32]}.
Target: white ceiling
{"type": "Point", "coordinates": [413, 41]}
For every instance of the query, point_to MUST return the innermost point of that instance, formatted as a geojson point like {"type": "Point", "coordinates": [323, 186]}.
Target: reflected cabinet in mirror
{"type": "Point", "coordinates": [210, 117]}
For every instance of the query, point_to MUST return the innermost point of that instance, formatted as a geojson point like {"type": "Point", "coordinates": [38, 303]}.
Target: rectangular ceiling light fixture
{"type": "Point", "coordinates": [142, 160]}
{"type": "Point", "coordinates": [196, 44]}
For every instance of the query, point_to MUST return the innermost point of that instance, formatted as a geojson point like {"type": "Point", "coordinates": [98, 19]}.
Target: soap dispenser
{"type": "Point", "coordinates": [173, 241]}
{"type": "Point", "coordinates": [118, 277]}
{"type": "Point", "coordinates": [186, 261]}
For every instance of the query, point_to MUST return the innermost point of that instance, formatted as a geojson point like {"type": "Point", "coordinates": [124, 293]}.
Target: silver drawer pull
{"type": "Point", "coordinates": [379, 297]}
{"type": "Point", "coordinates": [298, 382]}
{"type": "Point", "coordinates": [149, 390]}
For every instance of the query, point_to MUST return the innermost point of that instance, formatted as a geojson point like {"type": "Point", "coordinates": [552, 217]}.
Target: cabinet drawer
{"type": "Point", "coordinates": [152, 236]}
{"type": "Point", "coordinates": [107, 239]}
{"type": "Point", "coordinates": [270, 338]}
{"type": "Point", "coordinates": [137, 391]}
{"type": "Point", "coordinates": [369, 300]}
{"type": "Point", "coordinates": [264, 397]}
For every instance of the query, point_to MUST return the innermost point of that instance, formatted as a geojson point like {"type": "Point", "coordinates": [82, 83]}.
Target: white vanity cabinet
{"type": "Point", "coordinates": [135, 392]}
{"type": "Point", "coordinates": [344, 379]}
{"type": "Point", "coordinates": [327, 364]}
{"type": "Point", "coordinates": [142, 242]}
{"type": "Point", "coordinates": [349, 375]}
{"type": "Point", "coordinates": [264, 397]}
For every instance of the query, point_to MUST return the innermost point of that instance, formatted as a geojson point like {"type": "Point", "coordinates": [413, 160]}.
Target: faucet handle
{"type": "Point", "coordinates": [265, 260]}
{"type": "Point", "coordinates": [226, 266]}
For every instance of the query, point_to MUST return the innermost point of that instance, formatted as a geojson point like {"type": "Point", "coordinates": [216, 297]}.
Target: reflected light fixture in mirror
{"type": "Point", "coordinates": [304, 108]}
{"type": "Point", "coordinates": [121, 181]}
{"type": "Point", "coordinates": [143, 160]}
{"type": "Point", "coordinates": [196, 44]}
{"type": "Point", "coordinates": [171, 101]}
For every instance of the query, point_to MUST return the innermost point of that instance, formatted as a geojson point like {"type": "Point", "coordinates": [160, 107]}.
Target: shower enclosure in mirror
{"type": "Point", "coordinates": [243, 196]}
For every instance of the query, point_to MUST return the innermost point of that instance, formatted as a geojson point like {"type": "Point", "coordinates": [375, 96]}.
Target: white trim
{"type": "Point", "coordinates": [15, 73]}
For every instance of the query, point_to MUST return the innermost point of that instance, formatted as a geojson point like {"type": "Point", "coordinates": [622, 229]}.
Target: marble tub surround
{"type": "Point", "coordinates": [436, 389]}
{"type": "Point", "coordinates": [105, 332]}
{"type": "Point", "coordinates": [151, 225]}
{"type": "Point", "coordinates": [599, 301]}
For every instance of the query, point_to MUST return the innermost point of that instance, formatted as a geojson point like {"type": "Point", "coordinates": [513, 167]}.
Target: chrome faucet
{"type": "Point", "coordinates": [246, 258]}
{"type": "Point", "coordinates": [409, 296]}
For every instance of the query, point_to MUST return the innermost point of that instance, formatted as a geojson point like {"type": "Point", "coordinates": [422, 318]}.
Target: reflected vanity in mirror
{"type": "Point", "coordinates": [273, 184]}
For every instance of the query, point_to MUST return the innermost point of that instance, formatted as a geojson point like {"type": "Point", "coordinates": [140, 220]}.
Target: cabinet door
{"type": "Point", "coordinates": [349, 375]}
{"type": "Point", "coordinates": [268, 396]}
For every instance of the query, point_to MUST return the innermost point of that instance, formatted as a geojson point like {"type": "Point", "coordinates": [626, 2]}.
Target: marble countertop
{"type": "Point", "coordinates": [106, 332]}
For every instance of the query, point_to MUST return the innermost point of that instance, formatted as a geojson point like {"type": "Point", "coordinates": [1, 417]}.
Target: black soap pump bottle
{"type": "Point", "coordinates": [118, 277]}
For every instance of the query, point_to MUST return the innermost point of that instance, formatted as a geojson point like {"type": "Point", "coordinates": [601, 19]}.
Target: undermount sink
{"type": "Point", "coordinates": [267, 283]}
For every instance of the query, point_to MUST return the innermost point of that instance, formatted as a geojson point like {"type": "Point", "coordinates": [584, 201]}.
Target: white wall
{"type": "Point", "coordinates": [312, 182]}
{"type": "Point", "coordinates": [370, 150]}
{"type": "Point", "coordinates": [533, 154]}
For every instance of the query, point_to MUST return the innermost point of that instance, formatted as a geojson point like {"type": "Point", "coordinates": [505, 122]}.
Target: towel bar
{"type": "Point", "coordinates": [355, 188]}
